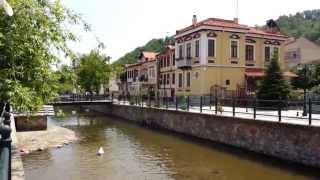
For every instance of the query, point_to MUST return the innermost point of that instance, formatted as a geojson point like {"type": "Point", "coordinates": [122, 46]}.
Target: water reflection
{"type": "Point", "coordinates": [132, 152]}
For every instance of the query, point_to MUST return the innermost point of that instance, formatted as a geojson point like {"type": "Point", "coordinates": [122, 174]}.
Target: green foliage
{"type": "Point", "coordinates": [308, 78]}
{"type": "Point", "coordinates": [66, 79]}
{"type": "Point", "coordinates": [60, 113]}
{"type": "Point", "coordinates": [305, 24]}
{"type": "Point", "coordinates": [29, 43]}
{"type": "Point", "coordinates": [156, 45]}
{"type": "Point", "coordinates": [183, 104]}
{"type": "Point", "coordinates": [273, 86]}
{"type": "Point", "coordinates": [94, 70]}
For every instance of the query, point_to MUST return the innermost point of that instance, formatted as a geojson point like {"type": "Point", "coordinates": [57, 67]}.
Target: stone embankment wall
{"type": "Point", "coordinates": [285, 141]}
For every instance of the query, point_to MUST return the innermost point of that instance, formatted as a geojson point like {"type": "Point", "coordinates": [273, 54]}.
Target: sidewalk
{"type": "Point", "coordinates": [287, 116]}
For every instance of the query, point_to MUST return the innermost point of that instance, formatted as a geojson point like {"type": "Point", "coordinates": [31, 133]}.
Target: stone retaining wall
{"type": "Point", "coordinates": [285, 141]}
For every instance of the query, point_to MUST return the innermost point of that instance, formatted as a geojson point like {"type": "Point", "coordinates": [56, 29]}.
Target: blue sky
{"type": "Point", "coordinates": [123, 25]}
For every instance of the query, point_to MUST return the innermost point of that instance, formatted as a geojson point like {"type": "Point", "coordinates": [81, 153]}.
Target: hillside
{"type": "Point", "coordinates": [155, 45]}
{"type": "Point", "coordinates": [306, 24]}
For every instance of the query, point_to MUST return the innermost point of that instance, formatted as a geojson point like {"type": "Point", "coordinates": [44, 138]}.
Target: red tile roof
{"type": "Point", "coordinates": [149, 55]}
{"type": "Point", "coordinates": [254, 72]}
{"type": "Point", "coordinates": [132, 65]}
{"type": "Point", "coordinates": [215, 22]}
{"type": "Point", "coordinates": [260, 32]}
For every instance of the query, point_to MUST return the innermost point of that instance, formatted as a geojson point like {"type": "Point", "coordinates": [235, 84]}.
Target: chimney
{"type": "Point", "coordinates": [194, 20]}
{"type": "Point", "coordinates": [236, 20]}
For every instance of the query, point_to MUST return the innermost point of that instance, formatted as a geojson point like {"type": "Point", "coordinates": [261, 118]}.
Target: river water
{"type": "Point", "coordinates": [136, 153]}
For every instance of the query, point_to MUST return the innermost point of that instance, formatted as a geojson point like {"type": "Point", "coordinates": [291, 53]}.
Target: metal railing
{"type": "Point", "coordinates": [82, 97]}
{"type": "Point", "coordinates": [284, 111]}
{"type": "Point", "coordinates": [5, 143]}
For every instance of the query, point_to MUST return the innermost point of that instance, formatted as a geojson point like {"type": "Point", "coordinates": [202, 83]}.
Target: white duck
{"type": "Point", "coordinates": [101, 151]}
{"type": "Point", "coordinates": [6, 7]}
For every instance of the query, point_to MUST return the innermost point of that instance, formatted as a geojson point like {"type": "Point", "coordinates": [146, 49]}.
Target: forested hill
{"type": "Point", "coordinates": [155, 45]}
{"type": "Point", "coordinates": [306, 24]}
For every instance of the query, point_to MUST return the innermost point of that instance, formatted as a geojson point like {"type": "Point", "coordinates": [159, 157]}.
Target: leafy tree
{"type": "Point", "coordinates": [29, 42]}
{"type": "Point", "coordinates": [273, 86]}
{"type": "Point", "coordinates": [304, 79]}
{"type": "Point", "coordinates": [308, 78]}
{"type": "Point", "coordinates": [66, 79]}
{"type": "Point", "coordinates": [93, 71]}
{"type": "Point", "coordinates": [302, 24]}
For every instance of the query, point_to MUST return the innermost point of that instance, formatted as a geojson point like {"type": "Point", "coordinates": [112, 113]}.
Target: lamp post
{"type": "Point", "coordinates": [305, 85]}
{"type": "Point", "coordinates": [304, 113]}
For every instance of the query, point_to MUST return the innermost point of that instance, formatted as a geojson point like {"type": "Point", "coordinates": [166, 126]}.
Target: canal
{"type": "Point", "coordinates": [136, 153]}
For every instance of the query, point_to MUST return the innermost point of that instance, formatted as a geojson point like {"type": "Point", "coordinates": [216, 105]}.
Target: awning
{"type": "Point", "coordinates": [290, 74]}
{"type": "Point", "coordinates": [252, 72]}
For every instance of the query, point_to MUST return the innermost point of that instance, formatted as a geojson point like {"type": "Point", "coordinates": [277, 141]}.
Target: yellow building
{"type": "Point", "coordinates": [217, 54]}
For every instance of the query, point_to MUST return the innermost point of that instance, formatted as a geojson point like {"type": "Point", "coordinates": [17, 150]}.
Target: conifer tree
{"type": "Point", "coordinates": [273, 86]}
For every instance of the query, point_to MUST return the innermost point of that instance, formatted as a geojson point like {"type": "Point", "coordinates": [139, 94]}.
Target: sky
{"type": "Point", "coordinates": [123, 25]}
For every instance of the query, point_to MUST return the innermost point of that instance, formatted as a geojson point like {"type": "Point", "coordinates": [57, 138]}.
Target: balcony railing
{"type": "Point", "coordinates": [184, 63]}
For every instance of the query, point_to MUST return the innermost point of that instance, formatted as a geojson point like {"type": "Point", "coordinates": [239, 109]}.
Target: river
{"type": "Point", "coordinates": [137, 153]}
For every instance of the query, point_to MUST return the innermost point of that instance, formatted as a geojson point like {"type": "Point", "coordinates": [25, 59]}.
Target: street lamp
{"type": "Point", "coordinates": [7, 7]}
{"type": "Point", "coordinates": [306, 81]}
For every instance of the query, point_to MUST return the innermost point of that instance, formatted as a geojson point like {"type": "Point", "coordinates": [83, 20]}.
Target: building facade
{"type": "Point", "coordinates": [223, 54]}
{"type": "Point", "coordinates": [301, 51]}
{"type": "Point", "coordinates": [142, 76]}
{"type": "Point", "coordinates": [167, 72]}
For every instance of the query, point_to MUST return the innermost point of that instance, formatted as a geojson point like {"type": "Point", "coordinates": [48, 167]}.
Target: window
{"type": "Point", "coordinates": [197, 49]}
{"type": "Point", "coordinates": [267, 53]}
{"type": "Point", "coordinates": [173, 78]}
{"type": "Point", "coordinates": [180, 80]}
{"type": "Point", "coordinates": [249, 52]}
{"type": "Point", "coordinates": [211, 48]}
{"type": "Point", "coordinates": [228, 82]}
{"type": "Point", "coordinates": [234, 48]}
{"type": "Point", "coordinates": [168, 60]}
{"type": "Point", "coordinates": [164, 62]}
{"type": "Point", "coordinates": [160, 79]}
{"type": "Point", "coordinates": [189, 50]}
{"type": "Point", "coordinates": [180, 52]}
{"type": "Point", "coordinates": [160, 62]}
{"type": "Point", "coordinates": [188, 79]}
{"type": "Point", "coordinates": [270, 51]}
{"type": "Point", "coordinates": [276, 52]}
{"type": "Point", "coordinates": [168, 78]}
{"type": "Point", "coordinates": [173, 60]}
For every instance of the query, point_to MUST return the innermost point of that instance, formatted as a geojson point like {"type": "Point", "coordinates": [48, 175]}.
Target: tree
{"type": "Point", "coordinates": [66, 79]}
{"type": "Point", "coordinates": [273, 86]}
{"type": "Point", "coordinates": [304, 24]}
{"type": "Point", "coordinates": [304, 79]}
{"type": "Point", "coordinates": [94, 70]}
{"type": "Point", "coordinates": [29, 43]}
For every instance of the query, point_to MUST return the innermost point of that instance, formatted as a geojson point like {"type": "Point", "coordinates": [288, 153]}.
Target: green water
{"type": "Point", "coordinates": [133, 152]}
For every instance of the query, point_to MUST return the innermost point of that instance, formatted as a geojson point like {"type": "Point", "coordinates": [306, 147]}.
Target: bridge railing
{"type": "Point", "coordinates": [82, 97]}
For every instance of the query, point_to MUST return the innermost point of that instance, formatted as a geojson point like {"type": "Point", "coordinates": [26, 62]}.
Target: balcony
{"type": "Point", "coordinates": [143, 78]}
{"type": "Point", "coordinates": [184, 63]}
